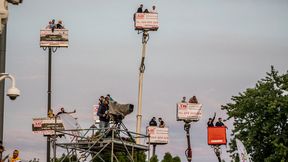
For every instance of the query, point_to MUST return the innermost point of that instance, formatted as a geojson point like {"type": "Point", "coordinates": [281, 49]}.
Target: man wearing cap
{"type": "Point", "coordinates": [210, 122]}
{"type": "Point", "coordinates": [15, 157]}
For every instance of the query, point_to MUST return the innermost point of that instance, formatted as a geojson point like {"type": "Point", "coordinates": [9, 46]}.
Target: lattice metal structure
{"type": "Point", "coordinates": [89, 144]}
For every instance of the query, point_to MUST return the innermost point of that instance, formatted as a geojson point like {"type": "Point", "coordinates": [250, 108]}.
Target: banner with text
{"type": "Point", "coordinates": [56, 38]}
{"type": "Point", "coordinates": [46, 126]}
{"type": "Point", "coordinates": [189, 111]}
{"type": "Point", "coordinates": [157, 135]}
{"type": "Point", "coordinates": [146, 21]}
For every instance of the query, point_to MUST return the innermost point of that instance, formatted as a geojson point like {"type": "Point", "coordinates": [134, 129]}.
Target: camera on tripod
{"type": "Point", "coordinates": [118, 111]}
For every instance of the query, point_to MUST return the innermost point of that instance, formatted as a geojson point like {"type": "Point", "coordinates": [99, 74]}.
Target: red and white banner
{"type": "Point", "coordinates": [146, 21]}
{"type": "Point", "coordinates": [157, 135]}
{"type": "Point", "coordinates": [56, 38]}
{"type": "Point", "coordinates": [189, 111]}
{"type": "Point", "coordinates": [46, 126]}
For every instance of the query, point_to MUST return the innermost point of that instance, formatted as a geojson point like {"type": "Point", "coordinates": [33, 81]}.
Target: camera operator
{"type": "Point", "coordinates": [103, 115]}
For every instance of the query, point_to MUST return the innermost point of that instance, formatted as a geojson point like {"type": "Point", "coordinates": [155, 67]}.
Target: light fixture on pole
{"type": "Point", "coordinates": [13, 92]}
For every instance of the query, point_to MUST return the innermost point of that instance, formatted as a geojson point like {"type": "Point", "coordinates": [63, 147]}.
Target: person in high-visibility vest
{"type": "Point", "coordinates": [15, 157]}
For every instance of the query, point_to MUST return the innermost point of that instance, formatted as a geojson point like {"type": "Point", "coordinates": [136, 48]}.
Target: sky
{"type": "Point", "coordinates": [211, 49]}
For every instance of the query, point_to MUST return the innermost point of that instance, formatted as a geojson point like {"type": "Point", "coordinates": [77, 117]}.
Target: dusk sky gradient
{"type": "Point", "coordinates": [211, 49]}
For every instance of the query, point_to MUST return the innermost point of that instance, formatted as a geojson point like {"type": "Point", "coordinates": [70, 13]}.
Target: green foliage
{"type": "Point", "coordinates": [154, 158]}
{"type": "Point", "coordinates": [261, 119]}
{"type": "Point", "coordinates": [176, 159]}
{"type": "Point", "coordinates": [167, 157]}
{"type": "Point", "coordinates": [140, 156]}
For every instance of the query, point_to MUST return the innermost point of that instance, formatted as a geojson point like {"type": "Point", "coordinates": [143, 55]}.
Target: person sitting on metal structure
{"type": "Point", "coordinates": [153, 122]}
{"type": "Point", "coordinates": [140, 9]}
{"type": "Point", "coordinates": [62, 111]}
{"type": "Point", "coordinates": [52, 25]}
{"type": "Point", "coordinates": [210, 122]}
{"type": "Point", "coordinates": [193, 100]}
{"type": "Point", "coordinates": [153, 9]}
{"type": "Point", "coordinates": [219, 123]}
{"type": "Point", "coordinates": [161, 123]}
{"type": "Point", "coordinates": [59, 25]}
{"type": "Point", "coordinates": [183, 100]}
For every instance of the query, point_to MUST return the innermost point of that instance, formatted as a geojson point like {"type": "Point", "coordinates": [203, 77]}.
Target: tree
{"type": "Point", "coordinates": [176, 159]}
{"type": "Point", "coordinates": [261, 119]}
{"type": "Point", "coordinates": [167, 157]}
{"type": "Point", "coordinates": [154, 159]}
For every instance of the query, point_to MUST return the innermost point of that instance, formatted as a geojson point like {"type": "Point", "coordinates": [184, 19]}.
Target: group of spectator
{"type": "Point", "coordinates": [153, 122]}
{"type": "Point", "coordinates": [219, 123]}
{"type": "Point", "coordinates": [52, 25]}
{"type": "Point", "coordinates": [141, 10]}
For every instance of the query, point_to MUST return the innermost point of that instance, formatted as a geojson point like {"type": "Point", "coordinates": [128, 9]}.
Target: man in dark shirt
{"type": "Point", "coordinates": [140, 9]}
{"type": "Point", "coordinates": [153, 122]}
{"type": "Point", "coordinates": [219, 123]}
{"type": "Point", "coordinates": [210, 122]}
{"type": "Point", "coordinates": [62, 111]}
{"type": "Point", "coordinates": [103, 116]}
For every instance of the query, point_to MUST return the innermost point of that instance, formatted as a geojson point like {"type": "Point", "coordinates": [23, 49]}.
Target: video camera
{"type": "Point", "coordinates": [118, 111]}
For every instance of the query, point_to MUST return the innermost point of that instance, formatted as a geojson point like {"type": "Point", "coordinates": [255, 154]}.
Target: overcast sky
{"type": "Point", "coordinates": [211, 49]}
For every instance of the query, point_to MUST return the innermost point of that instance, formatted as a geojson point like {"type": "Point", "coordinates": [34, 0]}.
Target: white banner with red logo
{"type": "Point", "coordinates": [157, 135]}
{"type": "Point", "coordinates": [56, 38]}
{"type": "Point", "coordinates": [189, 111]}
{"type": "Point", "coordinates": [146, 21]}
{"type": "Point", "coordinates": [46, 126]}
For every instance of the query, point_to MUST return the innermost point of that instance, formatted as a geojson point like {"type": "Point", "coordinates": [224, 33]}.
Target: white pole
{"type": "Point", "coordinates": [140, 89]}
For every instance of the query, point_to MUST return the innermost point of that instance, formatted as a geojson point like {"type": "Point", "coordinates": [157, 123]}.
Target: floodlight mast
{"type": "Point", "coordinates": [145, 38]}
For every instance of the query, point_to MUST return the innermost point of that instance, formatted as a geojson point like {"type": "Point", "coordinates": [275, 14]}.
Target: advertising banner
{"type": "Point", "coordinates": [157, 135]}
{"type": "Point", "coordinates": [56, 38]}
{"type": "Point", "coordinates": [46, 126]}
{"type": "Point", "coordinates": [146, 21]}
{"type": "Point", "coordinates": [189, 111]}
